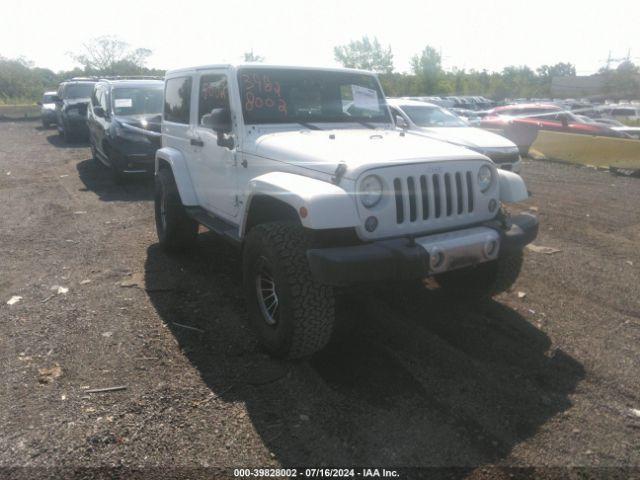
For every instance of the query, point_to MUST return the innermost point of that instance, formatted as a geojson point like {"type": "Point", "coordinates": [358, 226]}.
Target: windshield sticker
{"type": "Point", "coordinates": [261, 93]}
{"type": "Point", "coordinates": [123, 102]}
{"type": "Point", "coordinates": [365, 98]}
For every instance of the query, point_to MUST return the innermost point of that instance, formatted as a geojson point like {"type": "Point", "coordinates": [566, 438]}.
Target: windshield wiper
{"type": "Point", "coordinates": [310, 126]}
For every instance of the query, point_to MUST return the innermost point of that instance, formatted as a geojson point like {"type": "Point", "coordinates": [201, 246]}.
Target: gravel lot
{"type": "Point", "coordinates": [549, 379]}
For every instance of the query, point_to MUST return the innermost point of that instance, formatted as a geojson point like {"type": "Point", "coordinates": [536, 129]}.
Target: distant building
{"type": "Point", "coordinates": [592, 86]}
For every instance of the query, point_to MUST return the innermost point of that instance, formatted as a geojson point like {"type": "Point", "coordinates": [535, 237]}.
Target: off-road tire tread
{"type": "Point", "coordinates": [509, 267]}
{"type": "Point", "coordinates": [181, 230]}
{"type": "Point", "coordinates": [486, 280]}
{"type": "Point", "coordinates": [313, 303]}
{"type": "Point", "coordinates": [68, 137]}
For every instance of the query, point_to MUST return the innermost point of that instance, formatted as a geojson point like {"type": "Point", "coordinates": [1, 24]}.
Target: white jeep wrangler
{"type": "Point", "coordinates": [305, 172]}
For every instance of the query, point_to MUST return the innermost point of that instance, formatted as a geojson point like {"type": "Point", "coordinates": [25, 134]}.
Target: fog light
{"type": "Point", "coordinates": [490, 248]}
{"type": "Point", "coordinates": [493, 204]}
{"type": "Point", "coordinates": [437, 258]}
{"type": "Point", "coordinates": [370, 224]}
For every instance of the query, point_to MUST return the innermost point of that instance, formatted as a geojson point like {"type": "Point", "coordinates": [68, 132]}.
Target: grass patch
{"type": "Point", "coordinates": [589, 150]}
{"type": "Point", "coordinates": [19, 112]}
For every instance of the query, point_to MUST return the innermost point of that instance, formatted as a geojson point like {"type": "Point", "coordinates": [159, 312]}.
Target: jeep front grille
{"type": "Point", "coordinates": [425, 197]}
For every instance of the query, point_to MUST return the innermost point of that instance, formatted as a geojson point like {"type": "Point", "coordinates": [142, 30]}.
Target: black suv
{"type": "Point", "coordinates": [124, 120]}
{"type": "Point", "coordinates": [71, 107]}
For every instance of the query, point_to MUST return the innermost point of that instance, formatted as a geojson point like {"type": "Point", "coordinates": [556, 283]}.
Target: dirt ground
{"type": "Point", "coordinates": [546, 375]}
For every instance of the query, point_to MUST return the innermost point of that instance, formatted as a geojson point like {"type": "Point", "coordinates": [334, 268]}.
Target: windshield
{"type": "Point", "coordinates": [291, 96]}
{"type": "Point", "coordinates": [432, 117]}
{"type": "Point", "coordinates": [49, 98]}
{"type": "Point", "coordinates": [137, 100]}
{"type": "Point", "coordinates": [78, 90]}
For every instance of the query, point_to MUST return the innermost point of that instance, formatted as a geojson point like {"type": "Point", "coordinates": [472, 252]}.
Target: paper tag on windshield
{"type": "Point", "coordinates": [364, 98]}
{"type": "Point", "coordinates": [123, 102]}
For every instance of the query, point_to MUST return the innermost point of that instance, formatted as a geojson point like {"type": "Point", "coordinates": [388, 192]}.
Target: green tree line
{"type": "Point", "coordinates": [428, 77]}
{"type": "Point", "coordinates": [22, 82]}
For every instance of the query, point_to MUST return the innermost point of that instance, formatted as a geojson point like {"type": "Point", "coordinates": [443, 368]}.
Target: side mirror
{"type": "Point", "coordinates": [99, 112]}
{"type": "Point", "coordinates": [39, 104]}
{"type": "Point", "coordinates": [401, 122]}
{"type": "Point", "coordinates": [219, 120]}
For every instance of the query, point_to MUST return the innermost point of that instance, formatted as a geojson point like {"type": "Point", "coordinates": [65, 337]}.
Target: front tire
{"type": "Point", "coordinates": [291, 312]}
{"type": "Point", "coordinates": [485, 280]}
{"type": "Point", "coordinates": [117, 175]}
{"type": "Point", "coordinates": [68, 137]}
{"type": "Point", "coordinates": [176, 230]}
{"type": "Point", "coordinates": [94, 152]}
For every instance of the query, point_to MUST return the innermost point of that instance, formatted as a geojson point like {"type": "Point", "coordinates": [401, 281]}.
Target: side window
{"type": "Point", "coordinates": [398, 118]}
{"type": "Point", "coordinates": [214, 93]}
{"type": "Point", "coordinates": [177, 100]}
{"type": "Point", "coordinates": [103, 99]}
{"type": "Point", "coordinates": [94, 97]}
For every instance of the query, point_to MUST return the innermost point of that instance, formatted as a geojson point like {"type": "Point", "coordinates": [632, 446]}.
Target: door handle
{"type": "Point", "coordinates": [196, 143]}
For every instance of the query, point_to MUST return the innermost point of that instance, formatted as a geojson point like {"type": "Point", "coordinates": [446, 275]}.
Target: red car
{"type": "Point", "coordinates": [521, 123]}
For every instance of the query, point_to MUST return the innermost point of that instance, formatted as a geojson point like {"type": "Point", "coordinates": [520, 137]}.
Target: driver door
{"type": "Point", "coordinates": [215, 176]}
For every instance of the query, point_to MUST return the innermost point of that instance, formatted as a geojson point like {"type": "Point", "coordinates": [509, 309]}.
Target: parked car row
{"type": "Point", "coordinates": [305, 171]}
{"type": "Point", "coordinates": [461, 102]}
{"type": "Point", "coordinates": [123, 119]}
{"type": "Point", "coordinates": [48, 108]}
{"type": "Point", "coordinates": [438, 123]}
{"type": "Point", "coordinates": [71, 107]}
{"type": "Point", "coordinates": [620, 111]}
{"type": "Point", "coordinates": [521, 123]}
{"type": "Point", "coordinates": [120, 117]}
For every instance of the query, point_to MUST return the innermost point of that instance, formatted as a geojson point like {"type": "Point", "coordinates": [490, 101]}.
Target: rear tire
{"type": "Point", "coordinates": [176, 230]}
{"type": "Point", "coordinates": [485, 280]}
{"type": "Point", "coordinates": [291, 312]}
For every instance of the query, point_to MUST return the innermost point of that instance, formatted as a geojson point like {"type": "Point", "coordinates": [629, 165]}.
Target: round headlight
{"type": "Point", "coordinates": [485, 178]}
{"type": "Point", "coordinates": [370, 191]}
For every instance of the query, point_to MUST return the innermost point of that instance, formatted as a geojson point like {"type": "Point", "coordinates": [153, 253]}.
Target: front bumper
{"type": "Point", "coordinates": [137, 163]}
{"type": "Point", "coordinates": [76, 125]}
{"type": "Point", "coordinates": [48, 116]}
{"type": "Point", "coordinates": [134, 160]}
{"type": "Point", "coordinates": [406, 258]}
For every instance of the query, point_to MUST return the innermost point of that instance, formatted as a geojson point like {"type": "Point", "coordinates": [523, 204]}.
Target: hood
{"type": "Point", "coordinates": [358, 149]}
{"type": "Point", "coordinates": [467, 137]}
{"type": "Point", "coordinates": [626, 129]}
{"type": "Point", "coordinates": [76, 101]}
{"type": "Point", "coordinates": [149, 122]}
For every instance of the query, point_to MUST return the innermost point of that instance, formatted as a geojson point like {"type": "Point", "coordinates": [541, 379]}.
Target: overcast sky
{"type": "Point", "coordinates": [470, 33]}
